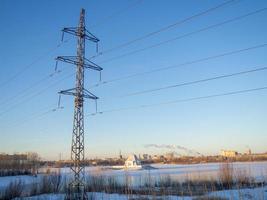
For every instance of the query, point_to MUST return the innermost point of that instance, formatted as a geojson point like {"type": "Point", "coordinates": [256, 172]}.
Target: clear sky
{"type": "Point", "coordinates": [30, 33]}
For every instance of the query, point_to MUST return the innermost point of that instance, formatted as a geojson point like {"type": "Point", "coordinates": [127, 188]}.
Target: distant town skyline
{"type": "Point", "coordinates": [173, 75]}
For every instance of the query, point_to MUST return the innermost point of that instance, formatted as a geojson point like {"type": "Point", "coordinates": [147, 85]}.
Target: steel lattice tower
{"type": "Point", "coordinates": [77, 185]}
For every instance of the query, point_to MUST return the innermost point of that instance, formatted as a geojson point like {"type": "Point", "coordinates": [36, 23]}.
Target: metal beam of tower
{"type": "Point", "coordinates": [77, 186]}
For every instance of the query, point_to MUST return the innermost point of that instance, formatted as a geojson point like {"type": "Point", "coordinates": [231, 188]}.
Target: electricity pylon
{"type": "Point", "coordinates": [77, 185]}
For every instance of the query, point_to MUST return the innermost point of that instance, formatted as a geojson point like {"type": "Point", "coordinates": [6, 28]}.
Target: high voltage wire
{"type": "Point", "coordinates": [174, 66]}
{"type": "Point", "coordinates": [189, 34]}
{"type": "Point", "coordinates": [186, 35]}
{"type": "Point", "coordinates": [195, 82]}
{"type": "Point", "coordinates": [60, 44]}
{"type": "Point", "coordinates": [181, 64]}
{"type": "Point", "coordinates": [49, 110]}
{"type": "Point", "coordinates": [24, 91]}
{"type": "Point", "coordinates": [160, 69]}
{"type": "Point", "coordinates": [42, 56]}
{"type": "Point", "coordinates": [30, 65]}
{"type": "Point", "coordinates": [37, 115]}
{"type": "Point", "coordinates": [152, 71]}
{"type": "Point", "coordinates": [180, 100]}
{"type": "Point", "coordinates": [147, 72]}
{"type": "Point", "coordinates": [107, 18]}
{"type": "Point", "coordinates": [35, 95]}
{"type": "Point", "coordinates": [157, 89]}
{"type": "Point", "coordinates": [171, 86]}
{"type": "Point", "coordinates": [165, 28]}
{"type": "Point", "coordinates": [48, 52]}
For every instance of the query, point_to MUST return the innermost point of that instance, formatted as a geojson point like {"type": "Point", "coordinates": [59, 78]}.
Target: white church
{"type": "Point", "coordinates": [132, 162]}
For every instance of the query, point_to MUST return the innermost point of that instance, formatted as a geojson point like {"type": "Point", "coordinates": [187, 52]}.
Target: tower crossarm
{"type": "Point", "coordinates": [75, 61]}
{"type": "Point", "coordinates": [75, 31]}
{"type": "Point", "coordinates": [73, 92]}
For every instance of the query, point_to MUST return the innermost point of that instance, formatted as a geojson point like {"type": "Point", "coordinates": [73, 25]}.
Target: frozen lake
{"type": "Point", "coordinates": [258, 170]}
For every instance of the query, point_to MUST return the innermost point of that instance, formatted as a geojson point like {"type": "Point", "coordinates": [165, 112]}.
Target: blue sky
{"type": "Point", "coordinates": [30, 34]}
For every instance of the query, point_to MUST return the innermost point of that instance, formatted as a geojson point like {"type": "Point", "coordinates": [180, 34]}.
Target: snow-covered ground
{"type": "Point", "coordinates": [258, 170]}
{"type": "Point", "coordinates": [104, 196]}
{"type": "Point", "coordinates": [244, 194]}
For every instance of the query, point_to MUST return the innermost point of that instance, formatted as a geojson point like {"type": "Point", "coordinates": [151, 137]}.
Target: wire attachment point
{"type": "Point", "coordinates": [62, 36]}
{"type": "Point", "coordinates": [56, 65]}
{"type": "Point", "coordinates": [59, 101]}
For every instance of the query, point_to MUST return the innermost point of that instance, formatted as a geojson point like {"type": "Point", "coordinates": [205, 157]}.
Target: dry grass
{"type": "Point", "coordinates": [209, 198]}
{"type": "Point", "coordinates": [160, 189]}
{"type": "Point", "coordinates": [14, 189]}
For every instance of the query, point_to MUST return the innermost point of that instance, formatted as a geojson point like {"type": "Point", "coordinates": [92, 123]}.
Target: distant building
{"type": "Point", "coordinates": [133, 162]}
{"type": "Point", "coordinates": [94, 163]}
{"type": "Point", "coordinates": [248, 152]}
{"type": "Point", "coordinates": [229, 153]}
{"type": "Point", "coordinates": [169, 156]}
{"type": "Point", "coordinates": [120, 155]}
{"type": "Point", "coordinates": [15, 158]}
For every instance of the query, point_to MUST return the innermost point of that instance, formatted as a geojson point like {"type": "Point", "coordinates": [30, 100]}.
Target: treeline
{"type": "Point", "coordinates": [162, 159]}
{"type": "Point", "coordinates": [91, 162]}
{"type": "Point", "coordinates": [13, 165]}
{"type": "Point", "coordinates": [214, 159]}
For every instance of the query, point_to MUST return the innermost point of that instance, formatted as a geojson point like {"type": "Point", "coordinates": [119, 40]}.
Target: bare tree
{"type": "Point", "coordinates": [34, 160]}
{"type": "Point", "coordinates": [55, 180]}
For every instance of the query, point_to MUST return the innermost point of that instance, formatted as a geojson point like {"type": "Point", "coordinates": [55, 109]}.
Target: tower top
{"type": "Point", "coordinates": [82, 11]}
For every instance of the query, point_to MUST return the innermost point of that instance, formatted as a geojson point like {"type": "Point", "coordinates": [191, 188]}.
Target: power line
{"type": "Point", "coordinates": [180, 100]}
{"type": "Point", "coordinates": [179, 22]}
{"type": "Point", "coordinates": [39, 58]}
{"type": "Point", "coordinates": [49, 110]}
{"type": "Point", "coordinates": [60, 44]}
{"type": "Point", "coordinates": [30, 65]}
{"type": "Point", "coordinates": [37, 115]}
{"type": "Point", "coordinates": [228, 21]}
{"type": "Point", "coordinates": [108, 18]}
{"type": "Point", "coordinates": [195, 82]}
{"type": "Point", "coordinates": [186, 35]}
{"type": "Point", "coordinates": [24, 91]}
{"type": "Point", "coordinates": [35, 95]}
{"type": "Point", "coordinates": [167, 87]}
{"type": "Point", "coordinates": [181, 64]}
